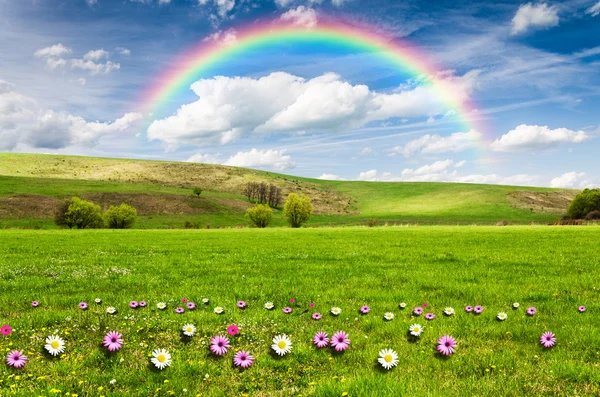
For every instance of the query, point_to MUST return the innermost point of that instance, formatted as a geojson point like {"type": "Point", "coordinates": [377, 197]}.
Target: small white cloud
{"type": "Point", "coordinates": [55, 51]}
{"type": "Point", "coordinates": [227, 37]}
{"type": "Point", "coordinates": [330, 177]}
{"type": "Point", "coordinates": [91, 2]}
{"type": "Point", "coordinates": [94, 68]}
{"type": "Point", "coordinates": [536, 16]}
{"type": "Point", "coordinates": [273, 159]}
{"type": "Point", "coordinates": [123, 51]}
{"type": "Point", "coordinates": [370, 175]}
{"type": "Point", "coordinates": [579, 180]}
{"type": "Point", "coordinates": [205, 158]}
{"type": "Point", "coordinates": [6, 87]}
{"type": "Point", "coordinates": [594, 10]}
{"type": "Point", "coordinates": [283, 3]}
{"type": "Point", "coordinates": [366, 151]}
{"type": "Point", "coordinates": [301, 16]}
{"type": "Point", "coordinates": [224, 6]}
{"type": "Point", "coordinates": [96, 55]}
{"type": "Point", "coordinates": [338, 3]}
{"type": "Point", "coordinates": [535, 137]}
{"type": "Point", "coordinates": [435, 144]}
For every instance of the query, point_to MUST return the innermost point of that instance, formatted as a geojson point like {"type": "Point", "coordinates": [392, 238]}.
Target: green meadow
{"type": "Point", "coordinates": [554, 269]}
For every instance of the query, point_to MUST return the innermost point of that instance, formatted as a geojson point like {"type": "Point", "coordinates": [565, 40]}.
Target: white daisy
{"type": "Point", "coordinates": [516, 305]}
{"type": "Point", "coordinates": [219, 310]}
{"type": "Point", "coordinates": [161, 358]}
{"type": "Point", "coordinates": [189, 330]}
{"type": "Point", "coordinates": [402, 305]}
{"type": "Point", "coordinates": [269, 305]}
{"type": "Point", "coordinates": [205, 301]}
{"type": "Point", "coordinates": [98, 301]}
{"type": "Point", "coordinates": [55, 345]}
{"type": "Point", "coordinates": [502, 316]}
{"type": "Point", "coordinates": [389, 316]}
{"type": "Point", "coordinates": [415, 330]}
{"type": "Point", "coordinates": [336, 311]}
{"type": "Point", "coordinates": [282, 345]}
{"type": "Point", "coordinates": [111, 310]}
{"type": "Point", "coordinates": [449, 311]}
{"type": "Point", "coordinates": [161, 305]}
{"type": "Point", "coordinates": [388, 358]}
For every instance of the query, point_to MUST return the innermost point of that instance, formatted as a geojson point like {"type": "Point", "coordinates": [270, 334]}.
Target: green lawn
{"type": "Point", "coordinates": [554, 269]}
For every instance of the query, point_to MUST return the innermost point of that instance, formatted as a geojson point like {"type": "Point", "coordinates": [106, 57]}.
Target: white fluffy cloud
{"type": "Point", "coordinates": [55, 51]}
{"type": "Point", "coordinates": [434, 144]}
{"type": "Point", "coordinates": [578, 180]}
{"type": "Point", "coordinates": [273, 159]}
{"type": "Point", "coordinates": [231, 107]}
{"type": "Point", "coordinates": [54, 57]}
{"type": "Point", "coordinates": [23, 122]}
{"type": "Point", "coordinates": [594, 10]}
{"type": "Point", "coordinates": [94, 68]}
{"type": "Point", "coordinates": [205, 158]}
{"type": "Point", "coordinates": [227, 37]}
{"type": "Point", "coordinates": [330, 177]}
{"type": "Point", "coordinates": [96, 55]}
{"type": "Point", "coordinates": [531, 137]}
{"type": "Point", "coordinates": [301, 16]}
{"type": "Point", "coordinates": [536, 16]}
{"type": "Point", "coordinates": [123, 51]}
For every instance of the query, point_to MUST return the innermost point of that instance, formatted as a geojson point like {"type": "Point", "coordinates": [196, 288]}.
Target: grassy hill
{"type": "Point", "coordinates": [31, 186]}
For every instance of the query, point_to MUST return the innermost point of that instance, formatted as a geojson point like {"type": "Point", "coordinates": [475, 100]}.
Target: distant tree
{"type": "Point", "coordinates": [79, 214]}
{"type": "Point", "coordinates": [297, 210]}
{"type": "Point", "coordinates": [260, 216]}
{"type": "Point", "coordinates": [197, 191]}
{"type": "Point", "coordinates": [584, 203]}
{"type": "Point", "coordinates": [263, 193]}
{"type": "Point", "coordinates": [121, 217]}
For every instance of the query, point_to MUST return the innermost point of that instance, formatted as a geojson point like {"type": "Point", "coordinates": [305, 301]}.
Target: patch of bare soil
{"type": "Point", "coordinates": [555, 202]}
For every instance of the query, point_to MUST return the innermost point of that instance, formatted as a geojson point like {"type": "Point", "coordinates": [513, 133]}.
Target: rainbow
{"type": "Point", "coordinates": [192, 64]}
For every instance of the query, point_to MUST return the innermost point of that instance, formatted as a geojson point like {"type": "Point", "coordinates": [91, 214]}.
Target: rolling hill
{"type": "Point", "coordinates": [31, 187]}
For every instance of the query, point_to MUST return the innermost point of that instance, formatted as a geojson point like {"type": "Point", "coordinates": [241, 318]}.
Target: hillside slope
{"type": "Point", "coordinates": [31, 186]}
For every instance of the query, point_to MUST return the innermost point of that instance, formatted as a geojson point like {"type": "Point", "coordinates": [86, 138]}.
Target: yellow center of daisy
{"type": "Point", "coordinates": [417, 329]}
{"type": "Point", "coordinates": [55, 345]}
{"type": "Point", "coordinates": [282, 344]}
{"type": "Point", "coordinates": [388, 358]}
{"type": "Point", "coordinates": [161, 358]}
{"type": "Point", "coordinates": [188, 329]}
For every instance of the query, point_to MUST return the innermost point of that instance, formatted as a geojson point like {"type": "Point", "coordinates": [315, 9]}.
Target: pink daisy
{"type": "Point", "coordinates": [35, 303]}
{"type": "Point", "coordinates": [292, 300]}
{"type": "Point", "coordinates": [243, 359]}
{"type": "Point", "coordinates": [83, 305]}
{"type": "Point", "coordinates": [317, 316]}
{"type": "Point", "coordinates": [340, 341]}
{"type": "Point", "coordinates": [548, 339]}
{"type": "Point", "coordinates": [429, 316]}
{"type": "Point", "coordinates": [179, 310]}
{"type": "Point", "coordinates": [425, 304]}
{"type": "Point", "coordinates": [113, 341]}
{"type": "Point", "coordinates": [241, 304]}
{"type": "Point", "coordinates": [219, 345]}
{"type": "Point", "coordinates": [133, 304]}
{"type": "Point", "coordinates": [143, 303]}
{"type": "Point", "coordinates": [5, 330]}
{"type": "Point", "coordinates": [446, 345]}
{"type": "Point", "coordinates": [287, 310]}
{"type": "Point", "coordinates": [417, 311]}
{"type": "Point", "coordinates": [311, 305]}
{"type": "Point", "coordinates": [365, 309]}
{"type": "Point", "coordinates": [478, 309]}
{"type": "Point", "coordinates": [233, 330]}
{"type": "Point", "coordinates": [321, 340]}
{"type": "Point", "coordinates": [190, 305]}
{"type": "Point", "coordinates": [581, 309]}
{"type": "Point", "coordinates": [184, 300]}
{"type": "Point", "coordinates": [16, 359]}
{"type": "Point", "coordinates": [469, 309]}
{"type": "Point", "coordinates": [531, 311]}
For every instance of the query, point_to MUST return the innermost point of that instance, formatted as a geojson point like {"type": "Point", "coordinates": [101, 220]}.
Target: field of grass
{"type": "Point", "coordinates": [553, 269]}
{"type": "Point", "coordinates": [31, 187]}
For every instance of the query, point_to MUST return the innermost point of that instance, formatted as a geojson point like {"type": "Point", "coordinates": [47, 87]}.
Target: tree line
{"type": "Point", "coordinates": [263, 193]}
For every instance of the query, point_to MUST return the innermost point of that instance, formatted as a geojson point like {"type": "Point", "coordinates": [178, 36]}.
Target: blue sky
{"type": "Point", "coordinates": [73, 71]}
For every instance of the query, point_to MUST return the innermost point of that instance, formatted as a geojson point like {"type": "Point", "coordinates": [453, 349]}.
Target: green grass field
{"type": "Point", "coordinates": [554, 269]}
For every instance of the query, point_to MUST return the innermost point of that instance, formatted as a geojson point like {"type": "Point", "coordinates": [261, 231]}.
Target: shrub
{"type": "Point", "coordinates": [593, 216]}
{"type": "Point", "coordinates": [80, 214]}
{"type": "Point", "coordinates": [191, 225]}
{"type": "Point", "coordinates": [297, 210]}
{"type": "Point", "coordinates": [584, 203]}
{"type": "Point", "coordinates": [197, 191]}
{"type": "Point", "coordinates": [121, 217]}
{"type": "Point", "coordinates": [260, 216]}
{"type": "Point", "coordinates": [373, 222]}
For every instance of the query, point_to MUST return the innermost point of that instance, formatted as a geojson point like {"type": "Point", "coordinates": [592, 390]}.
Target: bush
{"type": "Point", "coordinates": [260, 216]}
{"type": "Point", "coordinates": [79, 214]}
{"type": "Point", "coordinates": [197, 191]}
{"type": "Point", "coordinates": [191, 225]}
{"type": "Point", "coordinates": [297, 210]}
{"type": "Point", "coordinates": [121, 217]}
{"type": "Point", "coordinates": [584, 203]}
{"type": "Point", "coordinates": [593, 216]}
{"type": "Point", "coordinates": [372, 222]}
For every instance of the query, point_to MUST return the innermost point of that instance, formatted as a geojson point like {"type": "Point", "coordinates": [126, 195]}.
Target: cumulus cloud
{"type": "Point", "coordinates": [94, 68]}
{"type": "Point", "coordinates": [366, 151]}
{"type": "Point", "coordinates": [330, 177]}
{"type": "Point", "coordinates": [54, 57]}
{"type": "Point", "coordinates": [273, 159]}
{"type": "Point", "coordinates": [23, 122]}
{"type": "Point", "coordinates": [434, 144]}
{"type": "Point", "coordinates": [55, 51]}
{"type": "Point", "coordinates": [205, 158]}
{"type": "Point", "coordinates": [301, 16]}
{"type": "Point", "coordinates": [96, 55]}
{"type": "Point", "coordinates": [536, 16]}
{"type": "Point", "coordinates": [532, 137]}
{"type": "Point", "coordinates": [578, 180]}
{"type": "Point", "coordinates": [123, 50]}
{"type": "Point", "coordinates": [594, 10]}
{"type": "Point", "coordinates": [231, 107]}
{"type": "Point", "coordinates": [227, 37]}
